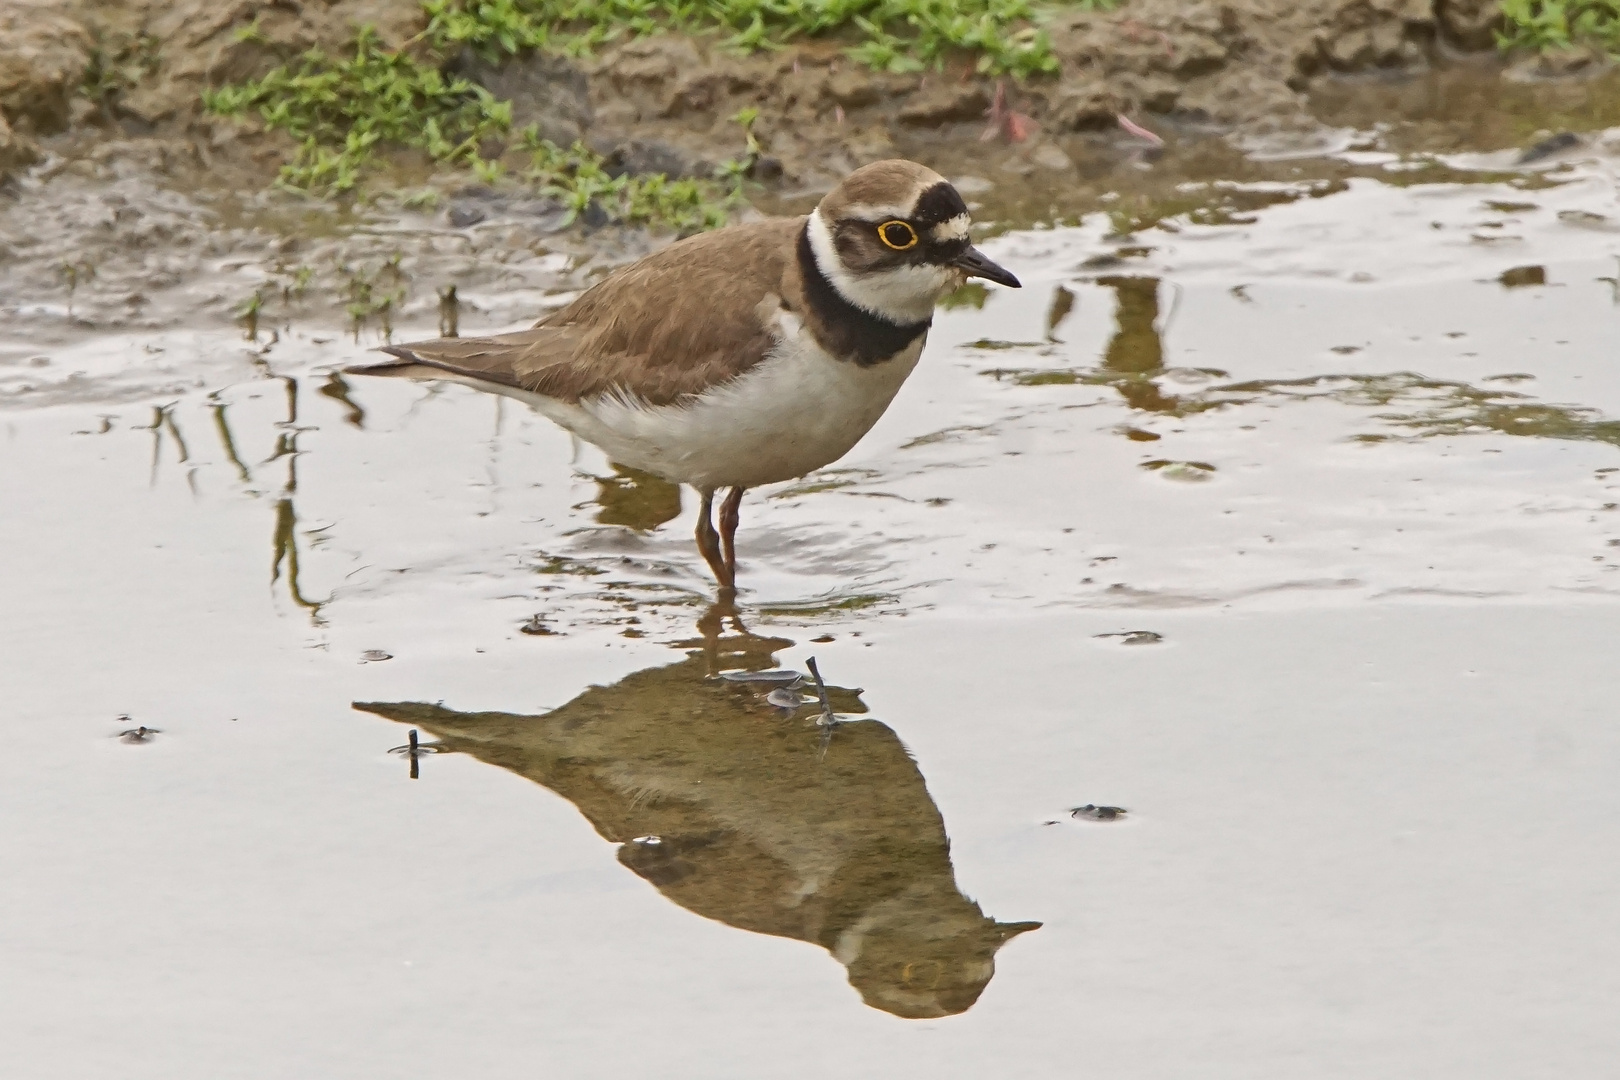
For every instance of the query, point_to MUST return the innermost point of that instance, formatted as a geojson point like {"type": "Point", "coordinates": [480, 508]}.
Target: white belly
{"type": "Point", "coordinates": [796, 411]}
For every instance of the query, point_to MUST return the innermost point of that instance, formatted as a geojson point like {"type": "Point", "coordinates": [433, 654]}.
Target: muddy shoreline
{"type": "Point", "coordinates": [126, 207]}
{"type": "Point", "coordinates": [100, 71]}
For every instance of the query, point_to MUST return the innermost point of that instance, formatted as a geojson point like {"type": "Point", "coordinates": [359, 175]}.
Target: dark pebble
{"type": "Point", "coordinates": [1547, 147]}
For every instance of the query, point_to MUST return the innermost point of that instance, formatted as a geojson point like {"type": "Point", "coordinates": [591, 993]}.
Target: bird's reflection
{"type": "Point", "coordinates": [637, 499]}
{"type": "Point", "coordinates": [739, 815]}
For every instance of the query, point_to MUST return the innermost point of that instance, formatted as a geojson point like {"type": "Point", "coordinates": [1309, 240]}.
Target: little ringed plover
{"type": "Point", "coordinates": [746, 356]}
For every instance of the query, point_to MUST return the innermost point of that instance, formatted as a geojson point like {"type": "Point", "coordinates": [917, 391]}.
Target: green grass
{"type": "Point", "coordinates": [576, 178]}
{"type": "Point", "coordinates": [888, 35]}
{"type": "Point", "coordinates": [1560, 24]}
{"type": "Point", "coordinates": [118, 64]}
{"type": "Point", "coordinates": [343, 109]}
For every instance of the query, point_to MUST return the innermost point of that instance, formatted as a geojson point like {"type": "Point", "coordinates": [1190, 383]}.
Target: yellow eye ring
{"type": "Point", "coordinates": [897, 235]}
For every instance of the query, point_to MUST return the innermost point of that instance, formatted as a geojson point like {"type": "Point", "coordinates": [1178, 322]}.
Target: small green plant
{"type": "Point", "coordinates": [247, 313]}
{"type": "Point", "coordinates": [1559, 24]}
{"type": "Point", "coordinates": [449, 312]}
{"type": "Point", "coordinates": [252, 33]}
{"type": "Point", "coordinates": [736, 170]}
{"type": "Point", "coordinates": [296, 287]}
{"type": "Point", "coordinates": [374, 294]}
{"type": "Point", "coordinates": [72, 273]}
{"type": "Point", "coordinates": [488, 27]}
{"type": "Point", "coordinates": [577, 179]}
{"type": "Point", "coordinates": [893, 35]}
{"type": "Point", "coordinates": [119, 64]}
{"type": "Point", "coordinates": [342, 109]}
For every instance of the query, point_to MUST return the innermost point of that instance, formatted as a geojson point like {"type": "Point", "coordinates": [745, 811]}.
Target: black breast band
{"type": "Point", "coordinates": [844, 330]}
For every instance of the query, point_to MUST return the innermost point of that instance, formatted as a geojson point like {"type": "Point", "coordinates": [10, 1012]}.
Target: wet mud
{"type": "Point", "coordinates": [139, 69]}
{"type": "Point", "coordinates": [115, 230]}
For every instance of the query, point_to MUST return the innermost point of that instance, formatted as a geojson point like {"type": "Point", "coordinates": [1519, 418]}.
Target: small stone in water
{"type": "Point", "coordinates": [372, 656]}
{"type": "Point", "coordinates": [1520, 276]}
{"type": "Point", "coordinates": [536, 625]}
{"type": "Point", "coordinates": [1546, 148]}
{"type": "Point", "coordinates": [784, 698]}
{"type": "Point", "coordinates": [137, 734]}
{"type": "Point", "coordinates": [1098, 813]}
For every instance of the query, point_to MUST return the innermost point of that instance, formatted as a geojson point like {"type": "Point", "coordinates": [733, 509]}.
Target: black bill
{"type": "Point", "coordinates": [973, 261]}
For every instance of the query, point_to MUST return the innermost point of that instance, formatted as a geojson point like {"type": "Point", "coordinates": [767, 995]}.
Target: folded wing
{"type": "Point", "coordinates": [696, 314]}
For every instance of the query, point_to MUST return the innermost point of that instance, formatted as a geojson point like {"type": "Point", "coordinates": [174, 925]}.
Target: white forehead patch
{"type": "Point", "coordinates": [875, 213]}
{"type": "Point", "coordinates": [955, 228]}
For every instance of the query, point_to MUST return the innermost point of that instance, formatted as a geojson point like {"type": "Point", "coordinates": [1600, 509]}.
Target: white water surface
{"type": "Point", "coordinates": [1369, 770]}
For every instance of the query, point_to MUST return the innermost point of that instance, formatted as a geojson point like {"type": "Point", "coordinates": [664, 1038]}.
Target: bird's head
{"type": "Point", "coordinates": [892, 239]}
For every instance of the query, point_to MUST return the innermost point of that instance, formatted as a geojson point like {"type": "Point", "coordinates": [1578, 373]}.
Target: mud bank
{"type": "Point", "coordinates": [127, 207]}
{"type": "Point", "coordinates": [104, 70]}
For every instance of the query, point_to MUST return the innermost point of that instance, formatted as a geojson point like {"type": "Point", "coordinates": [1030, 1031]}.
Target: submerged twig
{"type": "Point", "coordinates": [414, 751]}
{"type": "Point", "coordinates": [449, 312]}
{"type": "Point", "coordinates": [826, 721]}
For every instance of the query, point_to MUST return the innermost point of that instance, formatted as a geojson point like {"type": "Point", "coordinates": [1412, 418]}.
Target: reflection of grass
{"type": "Point", "coordinates": [1048, 378]}
{"type": "Point", "coordinates": [1428, 407]}
{"type": "Point", "coordinates": [1227, 203]}
{"type": "Point", "coordinates": [994, 345]}
{"type": "Point", "coordinates": [1559, 24]}
{"type": "Point", "coordinates": [556, 564]}
{"type": "Point", "coordinates": [1140, 390]}
{"type": "Point", "coordinates": [827, 480]}
{"type": "Point", "coordinates": [286, 551]}
{"type": "Point", "coordinates": [636, 499]}
{"type": "Point", "coordinates": [1210, 204]}
{"type": "Point", "coordinates": [827, 605]}
{"type": "Point", "coordinates": [972, 295]}
{"type": "Point", "coordinates": [1191, 471]}
{"type": "Point", "coordinates": [815, 488]}
{"type": "Point", "coordinates": [944, 435]}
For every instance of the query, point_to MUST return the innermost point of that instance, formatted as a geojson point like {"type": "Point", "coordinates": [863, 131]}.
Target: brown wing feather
{"type": "Point", "coordinates": [486, 359]}
{"type": "Point", "coordinates": [669, 326]}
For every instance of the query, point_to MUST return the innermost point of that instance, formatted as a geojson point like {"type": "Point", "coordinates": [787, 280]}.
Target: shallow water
{"type": "Point", "coordinates": [1292, 530]}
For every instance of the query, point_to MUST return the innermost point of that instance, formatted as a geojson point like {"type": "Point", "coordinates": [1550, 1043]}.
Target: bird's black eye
{"type": "Point", "coordinates": [897, 235]}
